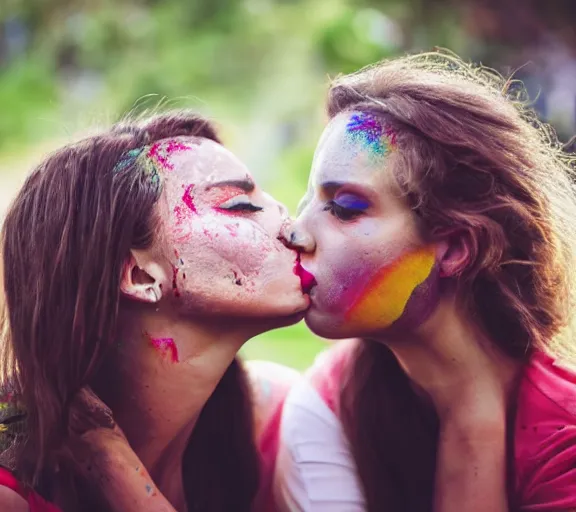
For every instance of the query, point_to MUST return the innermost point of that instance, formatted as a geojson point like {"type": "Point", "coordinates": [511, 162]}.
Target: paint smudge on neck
{"type": "Point", "coordinates": [166, 347]}
{"type": "Point", "coordinates": [367, 130]}
{"type": "Point", "coordinates": [384, 299]}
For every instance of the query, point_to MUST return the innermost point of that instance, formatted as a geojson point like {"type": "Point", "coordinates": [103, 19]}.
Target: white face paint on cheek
{"type": "Point", "coordinates": [238, 241]}
{"type": "Point", "coordinates": [216, 245]}
{"type": "Point", "coordinates": [224, 257]}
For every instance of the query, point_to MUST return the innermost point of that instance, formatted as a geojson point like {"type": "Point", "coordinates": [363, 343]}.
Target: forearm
{"type": "Point", "coordinates": [116, 473]}
{"type": "Point", "coordinates": [126, 485]}
{"type": "Point", "coordinates": [471, 469]}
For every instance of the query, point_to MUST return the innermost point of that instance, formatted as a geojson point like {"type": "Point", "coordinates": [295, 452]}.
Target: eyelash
{"type": "Point", "coordinates": [243, 207]}
{"type": "Point", "coordinates": [342, 213]}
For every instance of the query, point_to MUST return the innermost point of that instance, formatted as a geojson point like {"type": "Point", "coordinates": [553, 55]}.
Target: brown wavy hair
{"type": "Point", "coordinates": [472, 157]}
{"type": "Point", "coordinates": [65, 240]}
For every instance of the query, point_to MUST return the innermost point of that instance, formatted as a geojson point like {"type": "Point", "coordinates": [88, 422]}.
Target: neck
{"type": "Point", "coordinates": [161, 375]}
{"type": "Point", "coordinates": [452, 362]}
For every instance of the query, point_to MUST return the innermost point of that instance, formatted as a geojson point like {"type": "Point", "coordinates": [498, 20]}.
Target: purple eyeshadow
{"type": "Point", "coordinates": [351, 202]}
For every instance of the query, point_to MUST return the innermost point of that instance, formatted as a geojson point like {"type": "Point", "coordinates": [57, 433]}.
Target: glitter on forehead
{"type": "Point", "coordinates": [365, 129]}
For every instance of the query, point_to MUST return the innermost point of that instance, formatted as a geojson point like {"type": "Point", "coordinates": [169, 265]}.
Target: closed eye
{"type": "Point", "coordinates": [240, 203]}
{"type": "Point", "coordinates": [341, 212]}
{"type": "Point", "coordinates": [346, 206]}
{"type": "Point", "coordinates": [242, 207]}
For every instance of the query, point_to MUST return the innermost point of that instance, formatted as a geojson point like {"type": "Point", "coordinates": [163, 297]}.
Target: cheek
{"type": "Point", "coordinates": [223, 243]}
{"type": "Point", "coordinates": [241, 242]}
{"type": "Point", "coordinates": [387, 294]}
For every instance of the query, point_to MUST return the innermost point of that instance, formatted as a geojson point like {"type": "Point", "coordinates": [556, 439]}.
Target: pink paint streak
{"type": "Point", "coordinates": [166, 347]}
{"type": "Point", "coordinates": [232, 229]}
{"type": "Point", "coordinates": [160, 152]}
{"type": "Point", "coordinates": [181, 214]}
{"type": "Point", "coordinates": [188, 199]}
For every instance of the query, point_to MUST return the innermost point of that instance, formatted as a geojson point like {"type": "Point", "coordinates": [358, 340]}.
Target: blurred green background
{"type": "Point", "coordinates": [259, 68]}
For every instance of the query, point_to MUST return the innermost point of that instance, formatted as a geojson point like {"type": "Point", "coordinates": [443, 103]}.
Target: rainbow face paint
{"type": "Point", "coordinates": [384, 299]}
{"type": "Point", "coordinates": [366, 130]}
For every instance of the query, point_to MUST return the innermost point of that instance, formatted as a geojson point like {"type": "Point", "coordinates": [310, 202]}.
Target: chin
{"type": "Point", "coordinates": [270, 323]}
{"type": "Point", "coordinates": [284, 314]}
{"type": "Point", "coordinates": [292, 319]}
{"type": "Point", "coordinates": [325, 326]}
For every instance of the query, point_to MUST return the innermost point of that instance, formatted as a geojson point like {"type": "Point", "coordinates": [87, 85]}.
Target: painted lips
{"type": "Point", "coordinates": [307, 280]}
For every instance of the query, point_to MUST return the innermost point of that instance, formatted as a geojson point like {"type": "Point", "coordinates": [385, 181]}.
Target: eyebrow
{"type": "Point", "coordinates": [328, 187]}
{"type": "Point", "coordinates": [332, 186]}
{"type": "Point", "coordinates": [245, 185]}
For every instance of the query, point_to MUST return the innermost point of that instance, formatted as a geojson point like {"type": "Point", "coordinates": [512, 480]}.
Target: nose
{"type": "Point", "coordinates": [296, 237]}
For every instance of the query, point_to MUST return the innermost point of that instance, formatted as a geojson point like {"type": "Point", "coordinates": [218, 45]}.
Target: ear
{"type": "Point", "coordinates": [142, 278]}
{"type": "Point", "coordinates": [454, 253]}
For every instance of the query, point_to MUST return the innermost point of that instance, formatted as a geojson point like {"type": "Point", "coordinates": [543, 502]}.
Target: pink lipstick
{"type": "Point", "coordinates": [307, 280]}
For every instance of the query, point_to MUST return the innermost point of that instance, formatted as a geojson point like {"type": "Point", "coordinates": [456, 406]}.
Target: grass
{"type": "Point", "coordinates": [293, 346]}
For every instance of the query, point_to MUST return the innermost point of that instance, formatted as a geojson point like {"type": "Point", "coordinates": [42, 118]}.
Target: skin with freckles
{"type": "Point", "coordinates": [374, 271]}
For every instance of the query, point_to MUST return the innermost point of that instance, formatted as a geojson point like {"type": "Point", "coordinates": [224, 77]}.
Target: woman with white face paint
{"type": "Point", "coordinates": [138, 262]}
{"type": "Point", "coordinates": [439, 227]}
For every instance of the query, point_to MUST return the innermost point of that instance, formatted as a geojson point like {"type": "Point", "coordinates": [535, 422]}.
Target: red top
{"type": "Point", "coordinates": [35, 501]}
{"type": "Point", "coordinates": [545, 428]}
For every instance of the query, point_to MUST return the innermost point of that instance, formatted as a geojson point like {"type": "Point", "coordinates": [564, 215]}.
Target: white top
{"type": "Point", "coordinates": [315, 470]}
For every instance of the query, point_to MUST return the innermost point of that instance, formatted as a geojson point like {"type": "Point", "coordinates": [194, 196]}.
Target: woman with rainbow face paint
{"type": "Point", "coordinates": [137, 262]}
{"type": "Point", "coordinates": [437, 232]}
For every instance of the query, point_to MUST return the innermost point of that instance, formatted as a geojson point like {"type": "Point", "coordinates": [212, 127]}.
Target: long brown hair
{"type": "Point", "coordinates": [472, 157]}
{"type": "Point", "coordinates": [65, 239]}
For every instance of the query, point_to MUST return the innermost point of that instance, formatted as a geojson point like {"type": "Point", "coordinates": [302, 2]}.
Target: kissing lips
{"type": "Point", "coordinates": [307, 280]}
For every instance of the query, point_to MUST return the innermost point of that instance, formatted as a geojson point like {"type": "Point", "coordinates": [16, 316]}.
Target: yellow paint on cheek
{"type": "Point", "coordinates": [384, 299]}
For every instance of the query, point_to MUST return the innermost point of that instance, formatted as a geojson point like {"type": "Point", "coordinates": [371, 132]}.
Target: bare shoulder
{"type": "Point", "coordinates": [270, 383]}
{"type": "Point", "coordinates": [269, 380]}
{"type": "Point", "coordinates": [11, 500]}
